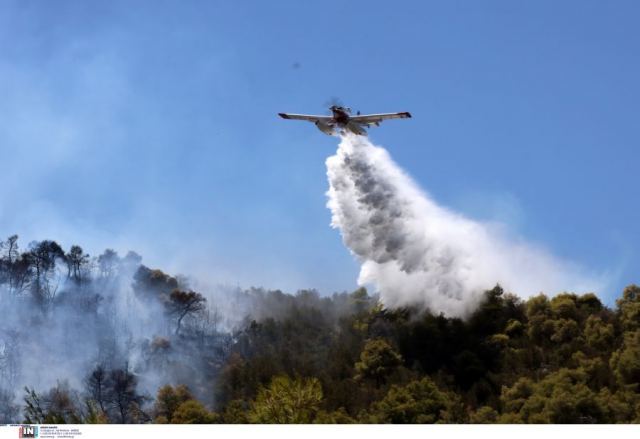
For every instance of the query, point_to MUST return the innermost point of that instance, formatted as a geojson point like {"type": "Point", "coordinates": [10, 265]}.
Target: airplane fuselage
{"type": "Point", "coordinates": [340, 116]}
{"type": "Point", "coordinates": [342, 119]}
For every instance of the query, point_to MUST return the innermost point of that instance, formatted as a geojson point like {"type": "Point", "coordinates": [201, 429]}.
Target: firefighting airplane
{"type": "Point", "coordinates": [342, 121]}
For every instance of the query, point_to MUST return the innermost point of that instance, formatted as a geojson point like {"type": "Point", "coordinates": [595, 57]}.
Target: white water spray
{"type": "Point", "coordinates": [416, 252]}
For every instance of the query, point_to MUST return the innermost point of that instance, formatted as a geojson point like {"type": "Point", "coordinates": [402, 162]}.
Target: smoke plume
{"type": "Point", "coordinates": [416, 252]}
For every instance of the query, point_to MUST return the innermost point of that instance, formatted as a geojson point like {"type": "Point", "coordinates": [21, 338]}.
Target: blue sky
{"type": "Point", "coordinates": [152, 126]}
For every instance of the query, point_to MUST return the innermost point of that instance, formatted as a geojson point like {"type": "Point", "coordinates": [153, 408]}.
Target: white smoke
{"type": "Point", "coordinates": [416, 252]}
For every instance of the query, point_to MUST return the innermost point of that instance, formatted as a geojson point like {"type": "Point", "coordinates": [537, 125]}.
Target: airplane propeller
{"type": "Point", "coordinates": [333, 101]}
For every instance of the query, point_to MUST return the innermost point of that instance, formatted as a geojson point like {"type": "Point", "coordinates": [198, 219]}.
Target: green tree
{"type": "Point", "coordinates": [34, 410]}
{"type": "Point", "coordinates": [94, 415]}
{"type": "Point", "coordinates": [168, 400]}
{"type": "Point", "coordinates": [484, 415]}
{"type": "Point", "coordinates": [561, 397]}
{"type": "Point", "coordinates": [193, 412]}
{"type": "Point", "coordinates": [625, 362]}
{"type": "Point", "coordinates": [589, 304]}
{"type": "Point", "coordinates": [339, 416]}
{"type": "Point", "coordinates": [153, 283]}
{"type": "Point", "coordinates": [287, 401]}
{"type": "Point", "coordinates": [235, 412]}
{"type": "Point", "coordinates": [598, 335]}
{"type": "Point", "coordinates": [564, 306]}
{"type": "Point", "coordinates": [184, 303]}
{"type": "Point", "coordinates": [60, 405]}
{"type": "Point", "coordinates": [96, 387]}
{"type": "Point", "coordinates": [540, 322]}
{"type": "Point", "coordinates": [123, 396]}
{"type": "Point", "coordinates": [360, 300]}
{"type": "Point", "coordinates": [629, 308]}
{"type": "Point", "coordinates": [564, 330]}
{"type": "Point", "coordinates": [419, 402]}
{"type": "Point", "coordinates": [377, 361]}
{"type": "Point", "coordinates": [108, 263]}
{"type": "Point", "coordinates": [43, 257]}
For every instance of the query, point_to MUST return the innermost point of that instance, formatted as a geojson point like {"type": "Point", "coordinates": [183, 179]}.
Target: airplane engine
{"type": "Point", "coordinates": [325, 127]}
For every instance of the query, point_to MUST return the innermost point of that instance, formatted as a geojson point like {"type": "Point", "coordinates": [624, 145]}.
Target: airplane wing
{"type": "Point", "coordinates": [369, 119]}
{"type": "Point", "coordinates": [309, 117]}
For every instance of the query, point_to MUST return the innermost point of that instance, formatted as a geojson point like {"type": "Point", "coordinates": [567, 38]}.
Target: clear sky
{"type": "Point", "coordinates": [151, 125]}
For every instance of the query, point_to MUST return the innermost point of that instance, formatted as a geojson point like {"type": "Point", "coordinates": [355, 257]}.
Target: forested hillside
{"type": "Point", "coordinates": [107, 339]}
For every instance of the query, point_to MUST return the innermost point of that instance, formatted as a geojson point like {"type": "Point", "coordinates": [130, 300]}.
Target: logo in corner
{"type": "Point", "coordinates": [28, 431]}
